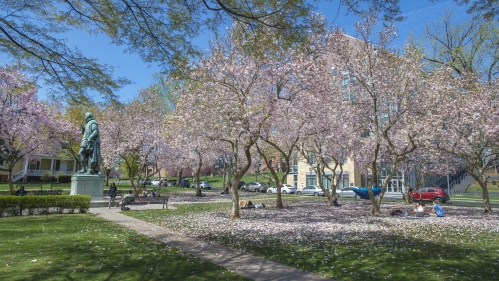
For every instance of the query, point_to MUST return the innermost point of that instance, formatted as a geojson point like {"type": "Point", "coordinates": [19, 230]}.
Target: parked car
{"type": "Point", "coordinates": [203, 185]}
{"type": "Point", "coordinates": [348, 191]}
{"type": "Point", "coordinates": [255, 186]}
{"type": "Point", "coordinates": [431, 194]}
{"type": "Point", "coordinates": [311, 190]}
{"type": "Point", "coordinates": [331, 191]}
{"type": "Point", "coordinates": [155, 182]}
{"type": "Point", "coordinates": [185, 183]}
{"type": "Point", "coordinates": [285, 189]}
{"type": "Point", "coordinates": [239, 185]}
{"type": "Point", "coordinates": [146, 182]}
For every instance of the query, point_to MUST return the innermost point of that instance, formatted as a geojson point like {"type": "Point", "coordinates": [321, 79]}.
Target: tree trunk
{"type": "Point", "coordinates": [235, 197]}
{"type": "Point", "coordinates": [483, 185]}
{"type": "Point", "coordinates": [485, 196]}
{"type": "Point", "coordinates": [135, 187]}
{"type": "Point", "coordinates": [9, 181]}
{"type": "Point", "coordinates": [108, 171]}
{"type": "Point", "coordinates": [179, 177]}
{"type": "Point", "coordinates": [226, 180]}
{"type": "Point", "coordinates": [198, 171]}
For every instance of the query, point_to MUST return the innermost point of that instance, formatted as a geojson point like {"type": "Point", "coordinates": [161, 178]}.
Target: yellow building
{"type": "Point", "coordinates": [26, 172]}
{"type": "Point", "coordinates": [302, 174]}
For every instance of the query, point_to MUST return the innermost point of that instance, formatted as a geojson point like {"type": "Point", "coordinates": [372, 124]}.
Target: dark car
{"type": "Point", "coordinates": [146, 182]}
{"type": "Point", "coordinates": [185, 183]}
{"type": "Point", "coordinates": [241, 184]}
{"type": "Point", "coordinates": [431, 194]}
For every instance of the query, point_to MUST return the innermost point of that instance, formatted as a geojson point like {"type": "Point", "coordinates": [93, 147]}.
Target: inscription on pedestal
{"type": "Point", "coordinates": [92, 185]}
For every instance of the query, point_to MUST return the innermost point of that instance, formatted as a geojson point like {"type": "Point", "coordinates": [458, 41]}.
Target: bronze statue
{"type": "Point", "coordinates": [90, 146]}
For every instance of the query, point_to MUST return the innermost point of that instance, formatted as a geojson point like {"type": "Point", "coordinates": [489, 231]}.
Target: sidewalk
{"type": "Point", "coordinates": [245, 264]}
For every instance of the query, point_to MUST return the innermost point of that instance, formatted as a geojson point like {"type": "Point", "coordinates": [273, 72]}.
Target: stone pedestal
{"type": "Point", "coordinates": [92, 185]}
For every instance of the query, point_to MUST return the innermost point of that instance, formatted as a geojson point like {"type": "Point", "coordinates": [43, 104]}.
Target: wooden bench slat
{"type": "Point", "coordinates": [145, 200]}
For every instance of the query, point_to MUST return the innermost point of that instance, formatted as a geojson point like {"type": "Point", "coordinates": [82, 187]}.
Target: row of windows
{"type": "Point", "coordinates": [311, 179]}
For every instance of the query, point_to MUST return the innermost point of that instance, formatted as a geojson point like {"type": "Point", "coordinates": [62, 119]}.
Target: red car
{"type": "Point", "coordinates": [431, 194]}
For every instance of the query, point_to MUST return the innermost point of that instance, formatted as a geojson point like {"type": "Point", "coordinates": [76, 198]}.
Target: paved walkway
{"type": "Point", "coordinates": [245, 264]}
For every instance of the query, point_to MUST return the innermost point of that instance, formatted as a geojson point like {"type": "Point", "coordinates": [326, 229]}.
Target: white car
{"type": "Point", "coordinates": [311, 190]}
{"type": "Point", "coordinates": [285, 189]}
{"type": "Point", "coordinates": [348, 192]}
{"type": "Point", "coordinates": [155, 182]}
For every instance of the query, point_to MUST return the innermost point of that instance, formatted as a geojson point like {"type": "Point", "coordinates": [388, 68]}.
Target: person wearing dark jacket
{"type": "Point", "coordinates": [113, 191]}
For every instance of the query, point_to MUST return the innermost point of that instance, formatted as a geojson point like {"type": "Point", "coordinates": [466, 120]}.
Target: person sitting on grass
{"type": "Point", "coordinates": [420, 209]}
{"type": "Point", "coordinates": [335, 202]}
{"type": "Point", "coordinates": [259, 206]}
{"type": "Point", "coordinates": [437, 210]}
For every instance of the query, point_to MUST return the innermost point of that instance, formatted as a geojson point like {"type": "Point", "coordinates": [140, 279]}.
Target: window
{"type": "Point", "coordinates": [35, 165]}
{"type": "Point", "coordinates": [70, 166]}
{"type": "Point", "coordinates": [326, 182]}
{"type": "Point", "coordinates": [311, 158]}
{"type": "Point", "coordinates": [343, 180]}
{"type": "Point", "coordinates": [294, 164]}
{"type": "Point", "coordinates": [311, 179]}
{"type": "Point", "coordinates": [344, 83]}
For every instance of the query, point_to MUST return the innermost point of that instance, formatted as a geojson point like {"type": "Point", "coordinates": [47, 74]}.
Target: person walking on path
{"type": "Point", "coordinates": [113, 191]}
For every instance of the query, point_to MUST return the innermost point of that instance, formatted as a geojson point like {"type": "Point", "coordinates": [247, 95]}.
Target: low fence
{"type": "Point", "coordinates": [59, 185]}
{"type": "Point", "coordinates": [29, 185]}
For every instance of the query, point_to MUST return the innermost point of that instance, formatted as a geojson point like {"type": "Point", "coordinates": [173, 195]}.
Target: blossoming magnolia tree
{"type": "Point", "coordinates": [193, 149]}
{"type": "Point", "coordinates": [382, 93]}
{"type": "Point", "coordinates": [135, 134]}
{"type": "Point", "coordinates": [27, 126]}
{"type": "Point", "coordinates": [226, 99]}
{"type": "Point", "coordinates": [287, 72]}
{"type": "Point", "coordinates": [465, 123]}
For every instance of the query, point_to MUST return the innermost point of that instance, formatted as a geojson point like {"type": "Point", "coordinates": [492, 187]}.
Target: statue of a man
{"type": "Point", "coordinates": [90, 146]}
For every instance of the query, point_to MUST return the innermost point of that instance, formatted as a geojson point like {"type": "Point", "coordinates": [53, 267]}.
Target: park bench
{"type": "Point", "coordinates": [28, 185]}
{"type": "Point", "coordinates": [46, 192]}
{"type": "Point", "coordinates": [144, 201]}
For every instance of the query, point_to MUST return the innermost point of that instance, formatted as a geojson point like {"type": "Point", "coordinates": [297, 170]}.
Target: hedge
{"type": "Point", "coordinates": [15, 205]}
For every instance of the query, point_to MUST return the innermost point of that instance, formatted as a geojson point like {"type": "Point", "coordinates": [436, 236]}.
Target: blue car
{"type": "Point", "coordinates": [362, 193]}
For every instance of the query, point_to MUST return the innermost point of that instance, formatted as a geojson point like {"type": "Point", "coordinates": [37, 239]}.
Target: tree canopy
{"type": "Point", "coordinates": [32, 32]}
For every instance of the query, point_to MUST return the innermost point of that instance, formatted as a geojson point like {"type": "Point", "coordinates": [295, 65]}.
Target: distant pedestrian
{"type": "Point", "coordinates": [113, 191]}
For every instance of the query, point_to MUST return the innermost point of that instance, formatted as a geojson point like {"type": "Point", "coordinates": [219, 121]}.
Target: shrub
{"type": "Point", "coordinates": [64, 179]}
{"type": "Point", "coordinates": [14, 205]}
{"type": "Point", "coordinates": [47, 176]}
{"type": "Point", "coordinates": [58, 175]}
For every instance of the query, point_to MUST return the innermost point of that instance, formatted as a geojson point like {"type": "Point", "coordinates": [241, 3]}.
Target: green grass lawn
{"type": "Point", "coordinates": [348, 243]}
{"type": "Point", "coordinates": [83, 247]}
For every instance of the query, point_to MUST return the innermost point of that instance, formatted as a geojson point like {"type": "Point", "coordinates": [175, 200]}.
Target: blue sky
{"type": "Point", "coordinates": [418, 13]}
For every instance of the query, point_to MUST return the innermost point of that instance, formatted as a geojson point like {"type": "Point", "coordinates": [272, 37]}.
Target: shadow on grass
{"type": "Point", "coordinates": [82, 247]}
{"type": "Point", "coordinates": [358, 246]}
